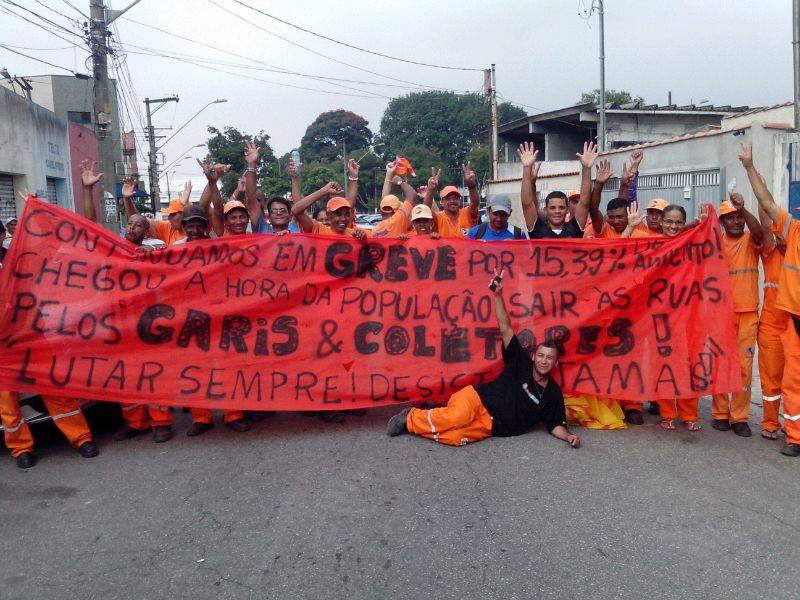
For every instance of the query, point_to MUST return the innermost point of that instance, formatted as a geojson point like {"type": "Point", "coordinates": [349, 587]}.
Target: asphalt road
{"type": "Point", "coordinates": [298, 508]}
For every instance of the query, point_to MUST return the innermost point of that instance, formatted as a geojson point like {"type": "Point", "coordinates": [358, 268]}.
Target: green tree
{"type": "Point", "coordinates": [323, 138]}
{"type": "Point", "coordinates": [445, 123]}
{"type": "Point", "coordinates": [370, 181]}
{"type": "Point", "coordinates": [227, 147]}
{"type": "Point", "coordinates": [612, 96]}
{"type": "Point", "coordinates": [481, 159]}
{"type": "Point", "coordinates": [316, 174]}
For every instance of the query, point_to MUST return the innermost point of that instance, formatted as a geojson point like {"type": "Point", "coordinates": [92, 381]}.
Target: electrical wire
{"type": "Point", "coordinates": [76, 9]}
{"type": "Point", "coordinates": [40, 26]}
{"type": "Point", "coordinates": [51, 9]}
{"type": "Point", "coordinates": [37, 59]}
{"type": "Point", "coordinates": [40, 49]}
{"type": "Point", "coordinates": [330, 39]}
{"type": "Point", "coordinates": [43, 18]}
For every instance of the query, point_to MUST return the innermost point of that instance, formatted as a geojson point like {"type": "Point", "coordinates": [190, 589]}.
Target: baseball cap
{"type": "Point", "coordinates": [175, 206]}
{"type": "Point", "coordinates": [726, 207]}
{"type": "Point", "coordinates": [574, 194]}
{"type": "Point", "coordinates": [193, 211]}
{"type": "Point", "coordinates": [233, 205]}
{"type": "Point", "coordinates": [336, 203]}
{"type": "Point", "coordinates": [447, 190]}
{"type": "Point", "coordinates": [658, 204]}
{"type": "Point", "coordinates": [390, 201]}
{"type": "Point", "coordinates": [500, 202]}
{"type": "Point", "coordinates": [421, 211]}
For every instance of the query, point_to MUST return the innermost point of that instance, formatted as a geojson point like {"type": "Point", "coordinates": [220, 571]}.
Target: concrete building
{"type": "Point", "coordinates": [34, 155]}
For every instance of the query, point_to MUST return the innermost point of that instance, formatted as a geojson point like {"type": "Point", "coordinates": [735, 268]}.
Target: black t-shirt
{"type": "Point", "coordinates": [541, 229]}
{"type": "Point", "coordinates": [515, 402]}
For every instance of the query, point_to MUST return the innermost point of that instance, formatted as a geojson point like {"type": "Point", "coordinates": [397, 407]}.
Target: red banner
{"type": "Point", "coordinates": [312, 322]}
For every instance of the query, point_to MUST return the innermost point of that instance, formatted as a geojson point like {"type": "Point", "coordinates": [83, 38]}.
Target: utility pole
{"type": "Point", "coordinates": [152, 168]}
{"type": "Point", "coordinates": [601, 133]}
{"type": "Point", "coordinates": [796, 52]}
{"type": "Point", "coordinates": [490, 91]}
{"type": "Point", "coordinates": [104, 121]}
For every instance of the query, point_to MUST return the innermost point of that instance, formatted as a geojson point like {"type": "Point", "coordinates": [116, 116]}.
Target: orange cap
{"type": "Point", "coordinates": [336, 203]}
{"type": "Point", "coordinates": [175, 206]}
{"type": "Point", "coordinates": [232, 205]}
{"type": "Point", "coordinates": [403, 167]}
{"type": "Point", "coordinates": [726, 208]}
{"type": "Point", "coordinates": [658, 204]}
{"type": "Point", "coordinates": [447, 190]}
{"type": "Point", "coordinates": [574, 194]}
{"type": "Point", "coordinates": [390, 201]}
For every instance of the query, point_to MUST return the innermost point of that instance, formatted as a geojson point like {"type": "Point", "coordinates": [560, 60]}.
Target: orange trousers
{"type": "Point", "coordinates": [683, 408]}
{"type": "Point", "coordinates": [790, 385]}
{"type": "Point", "coordinates": [206, 415]}
{"type": "Point", "coordinates": [631, 405]}
{"type": "Point", "coordinates": [463, 420]}
{"type": "Point", "coordinates": [736, 407]}
{"type": "Point", "coordinates": [141, 416]}
{"type": "Point", "coordinates": [65, 414]}
{"type": "Point", "coordinates": [771, 326]}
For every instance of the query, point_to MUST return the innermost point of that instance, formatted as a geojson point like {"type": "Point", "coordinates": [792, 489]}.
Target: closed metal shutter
{"type": "Point", "coordinates": [52, 198]}
{"type": "Point", "coordinates": [8, 206]}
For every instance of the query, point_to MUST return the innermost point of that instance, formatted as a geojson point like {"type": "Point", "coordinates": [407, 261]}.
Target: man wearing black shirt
{"type": "Point", "coordinates": [522, 396]}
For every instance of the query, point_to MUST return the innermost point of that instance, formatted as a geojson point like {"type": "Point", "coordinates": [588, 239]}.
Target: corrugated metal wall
{"type": "Point", "coordinates": [8, 207]}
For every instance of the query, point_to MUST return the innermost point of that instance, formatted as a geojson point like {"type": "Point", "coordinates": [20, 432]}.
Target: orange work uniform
{"type": "Point", "coordinates": [65, 414]}
{"type": "Point", "coordinates": [643, 231]}
{"type": "Point", "coordinates": [464, 419]}
{"type": "Point", "coordinates": [788, 299]}
{"type": "Point", "coordinates": [395, 225]}
{"type": "Point", "coordinates": [742, 254]}
{"type": "Point", "coordinates": [141, 417]}
{"type": "Point", "coordinates": [166, 233]}
{"type": "Point", "coordinates": [683, 408]}
{"type": "Point", "coordinates": [464, 222]}
{"type": "Point", "coordinates": [772, 324]}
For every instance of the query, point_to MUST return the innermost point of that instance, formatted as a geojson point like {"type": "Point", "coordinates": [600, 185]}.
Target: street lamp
{"type": "Point", "coordinates": [218, 101]}
{"type": "Point", "coordinates": [185, 157]}
{"type": "Point", "coordinates": [167, 174]}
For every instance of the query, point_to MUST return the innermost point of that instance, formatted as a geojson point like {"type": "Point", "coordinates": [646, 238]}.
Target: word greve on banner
{"type": "Point", "coordinates": [310, 322]}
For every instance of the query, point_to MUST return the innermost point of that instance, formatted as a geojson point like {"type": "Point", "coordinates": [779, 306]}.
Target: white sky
{"type": "Point", "coordinates": [724, 51]}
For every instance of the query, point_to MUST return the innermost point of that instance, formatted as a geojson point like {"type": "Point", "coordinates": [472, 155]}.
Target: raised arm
{"type": "Point", "coordinates": [210, 199]}
{"type": "Point", "coordinates": [127, 197]}
{"type": "Point", "coordinates": [299, 208]}
{"type": "Point", "coordinates": [186, 194]}
{"type": "Point", "coordinates": [528, 154]}
{"type": "Point", "coordinates": [471, 182]}
{"type": "Point", "coordinates": [89, 179]}
{"type": "Point", "coordinates": [587, 159]}
{"type": "Point", "coordinates": [391, 167]}
{"type": "Point", "coordinates": [765, 199]}
{"type": "Point", "coordinates": [353, 170]}
{"type": "Point", "coordinates": [433, 186]}
{"type": "Point", "coordinates": [252, 156]}
{"type": "Point", "coordinates": [756, 230]}
{"type": "Point", "coordinates": [634, 218]}
{"type": "Point", "coordinates": [627, 182]}
{"type": "Point", "coordinates": [503, 320]}
{"type": "Point", "coordinates": [294, 178]}
{"type": "Point", "coordinates": [602, 175]}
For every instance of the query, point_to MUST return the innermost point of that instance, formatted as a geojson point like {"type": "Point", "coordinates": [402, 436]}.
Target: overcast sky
{"type": "Point", "coordinates": [546, 52]}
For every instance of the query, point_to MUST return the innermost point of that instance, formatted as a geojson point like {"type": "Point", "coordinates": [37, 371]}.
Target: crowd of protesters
{"type": "Point", "coordinates": [524, 394]}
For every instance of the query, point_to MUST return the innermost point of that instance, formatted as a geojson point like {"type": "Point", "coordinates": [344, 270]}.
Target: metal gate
{"type": "Point", "coordinates": [8, 205]}
{"type": "Point", "coordinates": [793, 166]}
{"type": "Point", "coordinates": [52, 195]}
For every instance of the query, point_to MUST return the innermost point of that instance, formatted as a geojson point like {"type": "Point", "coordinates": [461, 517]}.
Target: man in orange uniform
{"type": "Point", "coordinates": [742, 249]}
{"type": "Point", "coordinates": [651, 227]}
{"type": "Point", "coordinates": [454, 221]}
{"type": "Point", "coordinates": [787, 299]}
{"type": "Point", "coordinates": [523, 395]}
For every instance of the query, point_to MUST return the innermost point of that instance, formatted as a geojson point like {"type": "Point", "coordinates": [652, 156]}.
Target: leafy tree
{"type": "Point", "coordinates": [480, 158]}
{"type": "Point", "coordinates": [316, 174]}
{"type": "Point", "coordinates": [323, 138]}
{"type": "Point", "coordinates": [227, 147]}
{"type": "Point", "coordinates": [445, 123]}
{"type": "Point", "coordinates": [612, 96]}
{"type": "Point", "coordinates": [370, 181]}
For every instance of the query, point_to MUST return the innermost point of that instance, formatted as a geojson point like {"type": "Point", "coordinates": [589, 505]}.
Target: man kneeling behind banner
{"type": "Point", "coordinates": [522, 396]}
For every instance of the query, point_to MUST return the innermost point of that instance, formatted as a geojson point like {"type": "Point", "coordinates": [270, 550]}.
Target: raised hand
{"type": "Point", "coordinates": [627, 175]}
{"type": "Point", "coordinates": [589, 154]}
{"type": "Point", "coordinates": [240, 188]}
{"type": "Point", "coordinates": [528, 154]}
{"type": "Point", "coordinates": [128, 187]}
{"type": "Point", "coordinates": [603, 171]}
{"type": "Point", "coordinates": [353, 168]}
{"type": "Point", "coordinates": [88, 176]}
{"type": "Point", "coordinates": [433, 180]}
{"type": "Point", "coordinates": [391, 168]}
{"type": "Point", "coordinates": [737, 200]}
{"type": "Point", "coordinates": [746, 155]}
{"type": "Point", "coordinates": [251, 153]}
{"type": "Point", "coordinates": [292, 170]}
{"type": "Point", "coordinates": [187, 192]}
{"type": "Point", "coordinates": [333, 189]}
{"type": "Point", "coordinates": [636, 159]}
{"type": "Point", "coordinates": [470, 180]}
{"type": "Point", "coordinates": [634, 216]}
{"type": "Point", "coordinates": [360, 234]}
{"type": "Point", "coordinates": [704, 211]}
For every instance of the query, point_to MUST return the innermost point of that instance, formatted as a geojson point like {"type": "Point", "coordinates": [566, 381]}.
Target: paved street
{"type": "Point", "coordinates": [298, 508]}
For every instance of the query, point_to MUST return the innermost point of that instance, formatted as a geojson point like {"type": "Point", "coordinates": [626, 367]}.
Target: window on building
{"type": "Point", "coordinates": [52, 195]}
{"type": "Point", "coordinates": [8, 206]}
{"type": "Point", "coordinates": [84, 118]}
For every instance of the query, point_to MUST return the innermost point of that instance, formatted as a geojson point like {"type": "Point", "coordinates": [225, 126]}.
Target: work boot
{"type": "Point", "coordinates": [634, 416]}
{"type": "Point", "coordinates": [127, 433]}
{"type": "Point", "coordinates": [88, 449]}
{"type": "Point", "coordinates": [240, 425]}
{"type": "Point", "coordinates": [742, 429]}
{"type": "Point", "coordinates": [162, 433]}
{"type": "Point", "coordinates": [397, 424]}
{"type": "Point", "coordinates": [721, 424]}
{"type": "Point", "coordinates": [26, 460]}
{"type": "Point", "coordinates": [198, 428]}
{"type": "Point", "coordinates": [787, 450]}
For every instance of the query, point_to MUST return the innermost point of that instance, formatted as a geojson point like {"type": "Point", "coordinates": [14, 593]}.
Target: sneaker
{"type": "Point", "coordinates": [634, 417]}
{"type": "Point", "coordinates": [742, 429]}
{"type": "Point", "coordinates": [240, 425]}
{"type": "Point", "coordinates": [127, 433]}
{"type": "Point", "coordinates": [721, 424]}
{"type": "Point", "coordinates": [88, 450]}
{"type": "Point", "coordinates": [397, 424]}
{"type": "Point", "coordinates": [26, 460]}
{"type": "Point", "coordinates": [162, 433]}
{"type": "Point", "coordinates": [198, 428]}
{"type": "Point", "coordinates": [787, 450]}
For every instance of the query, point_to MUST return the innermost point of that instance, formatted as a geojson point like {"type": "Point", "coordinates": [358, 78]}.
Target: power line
{"type": "Point", "coordinates": [43, 18]}
{"type": "Point", "coordinates": [40, 49]}
{"type": "Point", "coordinates": [40, 26]}
{"type": "Point", "coordinates": [51, 9]}
{"type": "Point", "coordinates": [330, 39]}
{"type": "Point", "coordinates": [76, 9]}
{"type": "Point", "coordinates": [37, 59]}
